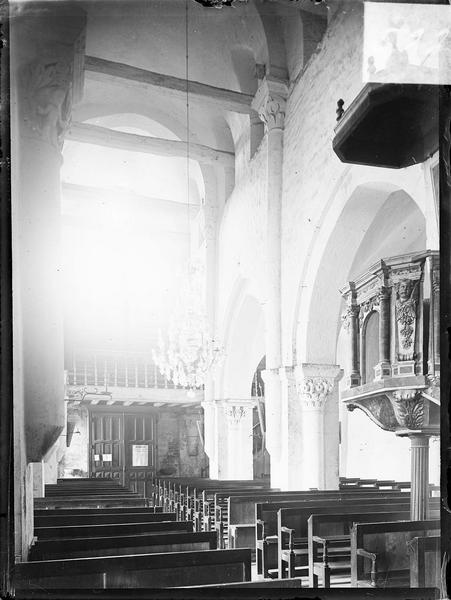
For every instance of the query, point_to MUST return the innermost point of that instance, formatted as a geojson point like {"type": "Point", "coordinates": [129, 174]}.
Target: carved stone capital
{"type": "Point", "coordinates": [315, 383]}
{"type": "Point", "coordinates": [235, 413]}
{"type": "Point", "coordinates": [47, 99]}
{"type": "Point", "coordinates": [314, 391]}
{"type": "Point", "coordinates": [49, 71]}
{"type": "Point", "coordinates": [352, 312]}
{"type": "Point", "coordinates": [270, 103]}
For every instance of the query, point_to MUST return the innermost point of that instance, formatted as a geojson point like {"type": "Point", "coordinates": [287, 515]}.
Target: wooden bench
{"type": "Point", "coordinates": [143, 570]}
{"type": "Point", "coordinates": [380, 554]}
{"type": "Point", "coordinates": [241, 508]}
{"type": "Point", "coordinates": [124, 544]}
{"type": "Point", "coordinates": [99, 518]}
{"type": "Point", "coordinates": [88, 502]}
{"type": "Point", "coordinates": [107, 530]}
{"type": "Point", "coordinates": [293, 529]}
{"type": "Point", "coordinates": [70, 512]}
{"type": "Point", "coordinates": [329, 541]}
{"type": "Point", "coordinates": [267, 542]}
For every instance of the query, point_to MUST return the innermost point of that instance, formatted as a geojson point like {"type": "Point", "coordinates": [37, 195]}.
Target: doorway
{"type": "Point", "coordinates": [123, 448]}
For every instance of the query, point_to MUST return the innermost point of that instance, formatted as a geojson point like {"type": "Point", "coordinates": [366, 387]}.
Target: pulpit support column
{"type": "Point", "coordinates": [419, 462]}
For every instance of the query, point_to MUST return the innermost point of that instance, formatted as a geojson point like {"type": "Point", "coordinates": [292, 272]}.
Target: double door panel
{"type": "Point", "coordinates": [123, 448]}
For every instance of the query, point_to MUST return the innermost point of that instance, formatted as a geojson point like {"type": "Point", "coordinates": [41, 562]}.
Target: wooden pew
{"type": "Point", "coordinates": [241, 508]}
{"type": "Point", "coordinates": [330, 534]}
{"type": "Point", "coordinates": [268, 547]}
{"type": "Point", "coordinates": [143, 570]}
{"type": "Point", "coordinates": [107, 530]}
{"type": "Point", "coordinates": [99, 518]}
{"type": "Point", "coordinates": [87, 502]}
{"type": "Point", "coordinates": [122, 545]}
{"type": "Point", "coordinates": [380, 554]}
{"type": "Point", "coordinates": [44, 512]}
{"type": "Point", "coordinates": [292, 527]}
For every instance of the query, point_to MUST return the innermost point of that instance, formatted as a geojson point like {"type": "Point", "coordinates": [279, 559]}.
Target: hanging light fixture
{"type": "Point", "coordinates": [187, 353]}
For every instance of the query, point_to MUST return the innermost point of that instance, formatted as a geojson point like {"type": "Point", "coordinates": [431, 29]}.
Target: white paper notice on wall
{"type": "Point", "coordinates": [107, 457]}
{"type": "Point", "coordinates": [96, 456]}
{"type": "Point", "coordinates": [407, 43]}
{"type": "Point", "coordinates": [140, 455]}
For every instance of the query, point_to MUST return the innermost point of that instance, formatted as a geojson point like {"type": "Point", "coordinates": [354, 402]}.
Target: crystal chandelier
{"type": "Point", "coordinates": [188, 353]}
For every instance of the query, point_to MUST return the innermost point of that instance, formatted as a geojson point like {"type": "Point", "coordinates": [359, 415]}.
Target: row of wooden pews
{"type": "Point", "coordinates": [309, 533]}
{"type": "Point", "coordinates": [114, 547]}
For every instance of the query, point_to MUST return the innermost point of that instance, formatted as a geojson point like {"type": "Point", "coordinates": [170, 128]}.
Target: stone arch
{"type": "Point", "coordinates": [214, 178]}
{"type": "Point", "coordinates": [243, 341]}
{"type": "Point", "coordinates": [334, 258]}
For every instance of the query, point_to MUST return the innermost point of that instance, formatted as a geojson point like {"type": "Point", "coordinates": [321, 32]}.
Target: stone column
{"type": "Point", "coordinates": [211, 437]}
{"type": "Point", "coordinates": [269, 102]}
{"type": "Point", "coordinates": [46, 75]}
{"type": "Point", "coordinates": [352, 325]}
{"type": "Point", "coordinates": [383, 369]}
{"type": "Point", "coordinates": [419, 462]}
{"type": "Point", "coordinates": [236, 454]}
{"type": "Point", "coordinates": [320, 445]}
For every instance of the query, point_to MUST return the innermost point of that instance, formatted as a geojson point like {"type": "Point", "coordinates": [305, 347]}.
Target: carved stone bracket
{"type": "Point", "coordinates": [379, 409]}
{"type": "Point", "coordinates": [270, 103]}
{"type": "Point", "coordinates": [408, 406]}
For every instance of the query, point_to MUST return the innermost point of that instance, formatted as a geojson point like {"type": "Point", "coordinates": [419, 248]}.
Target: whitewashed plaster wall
{"type": "Point", "coordinates": [328, 208]}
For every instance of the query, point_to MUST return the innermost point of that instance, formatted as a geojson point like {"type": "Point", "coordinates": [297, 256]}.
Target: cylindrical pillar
{"type": "Point", "coordinates": [270, 105]}
{"type": "Point", "coordinates": [313, 475]}
{"type": "Point", "coordinates": [46, 74]}
{"type": "Point", "coordinates": [419, 461]}
{"type": "Point", "coordinates": [353, 314]}
{"type": "Point", "coordinates": [384, 327]}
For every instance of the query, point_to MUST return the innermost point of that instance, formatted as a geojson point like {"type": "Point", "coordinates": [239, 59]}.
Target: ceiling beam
{"type": "Point", "coordinates": [99, 69]}
{"type": "Point", "coordinates": [103, 136]}
{"type": "Point", "coordinates": [89, 190]}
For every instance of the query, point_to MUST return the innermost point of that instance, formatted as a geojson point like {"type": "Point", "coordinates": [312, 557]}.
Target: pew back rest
{"type": "Point", "coordinates": [389, 542]}
{"type": "Point", "coordinates": [325, 522]}
{"type": "Point", "coordinates": [267, 512]}
{"type": "Point", "coordinates": [143, 570]}
{"type": "Point", "coordinates": [425, 561]}
{"type": "Point", "coordinates": [242, 507]}
{"type": "Point", "coordinates": [106, 530]}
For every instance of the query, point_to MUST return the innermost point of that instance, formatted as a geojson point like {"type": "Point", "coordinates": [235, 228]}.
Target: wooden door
{"type": "Point", "coordinates": [140, 450]}
{"type": "Point", "coordinates": [107, 446]}
{"type": "Point", "coordinates": [123, 448]}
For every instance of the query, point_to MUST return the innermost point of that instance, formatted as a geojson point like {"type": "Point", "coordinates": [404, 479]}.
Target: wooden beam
{"type": "Point", "coordinates": [99, 69]}
{"type": "Point", "coordinates": [103, 136]}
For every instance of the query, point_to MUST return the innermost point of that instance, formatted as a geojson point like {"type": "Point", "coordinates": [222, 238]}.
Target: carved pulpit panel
{"type": "Point", "coordinates": [403, 393]}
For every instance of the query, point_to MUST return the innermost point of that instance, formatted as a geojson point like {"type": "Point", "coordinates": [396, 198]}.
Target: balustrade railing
{"type": "Point", "coordinates": [115, 370]}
